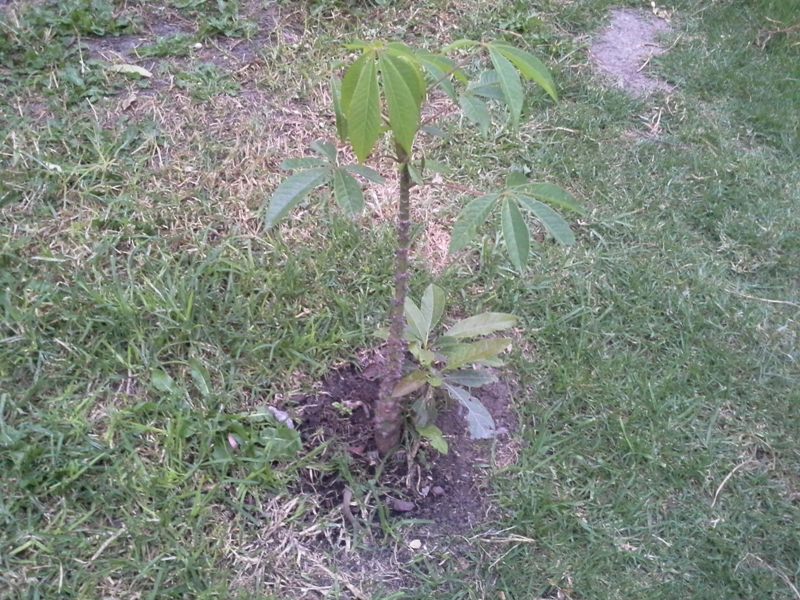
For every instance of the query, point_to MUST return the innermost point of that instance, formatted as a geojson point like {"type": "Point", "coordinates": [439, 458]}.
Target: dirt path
{"type": "Point", "coordinates": [623, 50]}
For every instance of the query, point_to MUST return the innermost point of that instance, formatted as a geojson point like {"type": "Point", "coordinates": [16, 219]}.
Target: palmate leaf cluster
{"type": "Point", "coordinates": [455, 361]}
{"type": "Point", "coordinates": [384, 90]}
{"type": "Point", "coordinates": [536, 199]}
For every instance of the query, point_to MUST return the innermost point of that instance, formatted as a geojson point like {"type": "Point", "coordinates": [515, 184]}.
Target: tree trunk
{"type": "Point", "coordinates": [388, 410]}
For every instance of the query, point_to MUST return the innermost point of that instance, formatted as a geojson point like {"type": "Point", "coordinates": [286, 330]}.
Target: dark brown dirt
{"type": "Point", "coordinates": [160, 22]}
{"type": "Point", "coordinates": [448, 492]}
{"type": "Point", "coordinates": [623, 51]}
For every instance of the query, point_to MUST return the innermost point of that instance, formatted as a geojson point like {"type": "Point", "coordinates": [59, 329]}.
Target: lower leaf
{"type": "Point", "coordinates": [480, 422]}
{"type": "Point", "coordinates": [434, 435]}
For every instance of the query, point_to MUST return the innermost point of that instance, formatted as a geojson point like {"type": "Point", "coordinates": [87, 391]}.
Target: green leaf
{"type": "Point", "coordinates": [470, 353]}
{"type": "Point", "coordinates": [127, 69]}
{"type": "Point", "coordinates": [407, 63]}
{"type": "Point", "coordinates": [479, 420]}
{"type": "Point", "coordinates": [482, 324]}
{"type": "Point", "coordinates": [435, 131]}
{"type": "Point", "coordinates": [341, 120]}
{"type": "Point", "coordinates": [460, 45]}
{"type": "Point", "coordinates": [415, 321]}
{"type": "Point", "coordinates": [199, 376]}
{"type": "Point", "coordinates": [347, 192]}
{"type": "Point", "coordinates": [472, 216]}
{"type": "Point", "coordinates": [400, 87]}
{"type": "Point", "coordinates": [509, 83]}
{"type": "Point", "coordinates": [438, 167]}
{"type": "Point", "coordinates": [471, 378]}
{"type": "Point", "coordinates": [554, 195]}
{"type": "Point", "coordinates": [289, 193]}
{"type": "Point", "coordinates": [424, 356]}
{"type": "Point", "coordinates": [432, 306]}
{"type": "Point", "coordinates": [441, 69]}
{"type": "Point", "coordinates": [162, 381]}
{"type": "Point", "coordinates": [434, 435]}
{"type": "Point", "coordinates": [325, 150]}
{"type": "Point", "coordinates": [293, 164]}
{"type": "Point", "coordinates": [400, 49]}
{"type": "Point", "coordinates": [516, 178]}
{"type": "Point", "coordinates": [362, 108]}
{"type": "Point", "coordinates": [423, 411]}
{"type": "Point", "coordinates": [357, 45]}
{"type": "Point", "coordinates": [476, 111]}
{"type": "Point", "coordinates": [552, 221]}
{"type": "Point", "coordinates": [531, 67]}
{"type": "Point", "coordinates": [488, 86]}
{"type": "Point", "coordinates": [410, 383]}
{"type": "Point", "coordinates": [515, 234]}
{"type": "Point", "coordinates": [416, 174]}
{"type": "Point", "coordinates": [350, 81]}
{"type": "Point", "coordinates": [277, 443]}
{"type": "Point", "coordinates": [367, 173]}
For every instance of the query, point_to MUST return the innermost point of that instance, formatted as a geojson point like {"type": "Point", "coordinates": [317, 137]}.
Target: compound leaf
{"type": "Point", "coordinates": [350, 81]}
{"type": "Point", "coordinates": [341, 120]}
{"type": "Point", "coordinates": [487, 86]}
{"type": "Point", "coordinates": [552, 221]}
{"type": "Point", "coordinates": [479, 420]}
{"type": "Point", "coordinates": [515, 234]}
{"type": "Point", "coordinates": [531, 67]}
{"type": "Point", "coordinates": [347, 192]}
{"type": "Point", "coordinates": [516, 178]}
{"type": "Point", "coordinates": [554, 195]}
{"type": "Point", "coordinates": [510, 84]}
{"type": "Point", "coordinates": [460, 355]}
{"type": "Point", "coordinates": [432, 306]}
{"type": "Point", "coordinates": [366, 172]}
{"type": "Point", "coordinates": [362, 107]}
{"type": "Point", "coordinates": [471, 377]}
{"type": "Point", "coordinates": [289, 193]}
{"type": "Point", "coordinates": [410, 383]}
{"type": "Point", "coordinates": [434, 435]}
{"type": "Point", "coordinates": [472, 216]}
{"type": "Point", "coordinates": [482, 324]}
{"type": "Point", "coordinates": [403, 98]}
{"type": "Point", "coordinates": [416, 322]}
{"type": "Point", "coordinates": [325, 150]}
{"type": "Point", "coordinates": [476, 111]}
{"type": "Point", "coordinates": [293, 164]}
{"type": "Point", "coordinates": [460, 45]}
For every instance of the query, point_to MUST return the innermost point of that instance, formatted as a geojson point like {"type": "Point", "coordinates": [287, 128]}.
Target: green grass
{"type": "Point", "coordinates": [145, 319]}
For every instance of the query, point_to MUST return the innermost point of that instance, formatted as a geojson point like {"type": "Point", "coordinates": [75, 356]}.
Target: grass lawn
{"type": "Point", "coordinates": [147, 319]}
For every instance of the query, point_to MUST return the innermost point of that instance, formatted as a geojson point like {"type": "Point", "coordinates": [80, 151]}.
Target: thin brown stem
{"type": "Point", "coordinates": [388, 410]}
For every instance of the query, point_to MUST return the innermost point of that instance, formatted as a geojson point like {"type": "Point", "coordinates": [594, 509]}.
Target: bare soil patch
{"type": "Point", "coordinates": [448, 492]}
{"type": "Point", "coordinates": [623, 51]}
{"type": "Point", "coordinates": [364, 530]}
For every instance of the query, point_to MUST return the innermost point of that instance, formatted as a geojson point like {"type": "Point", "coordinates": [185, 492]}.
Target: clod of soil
{"type": "Point", "coordinates": [623, 50]}
{"type": "Point", "coordinates": [448, 491]}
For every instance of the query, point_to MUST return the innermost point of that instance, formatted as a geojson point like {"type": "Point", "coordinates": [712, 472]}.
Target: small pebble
{"type": "Point", "coordinates": [401, 505]}
{"type": "Point", "coordinates": [437, 490]}
{"type": "Point", "coordinates": [415, 544]}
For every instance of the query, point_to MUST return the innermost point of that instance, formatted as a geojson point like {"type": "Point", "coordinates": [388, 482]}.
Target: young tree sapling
{"type": "Point", "coordinates": [383, 92]}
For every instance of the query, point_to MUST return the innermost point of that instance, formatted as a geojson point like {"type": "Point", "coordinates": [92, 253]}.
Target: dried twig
{"type": "Point", "coordinates": [783, 576]}
{"type": "Point", "coordinates": [759, 299]}
{"type": "Point", "coordinates": [727, 478]}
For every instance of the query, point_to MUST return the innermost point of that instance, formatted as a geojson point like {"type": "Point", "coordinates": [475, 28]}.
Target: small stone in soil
{"type": "Point", "coordinates": [400, 505]}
